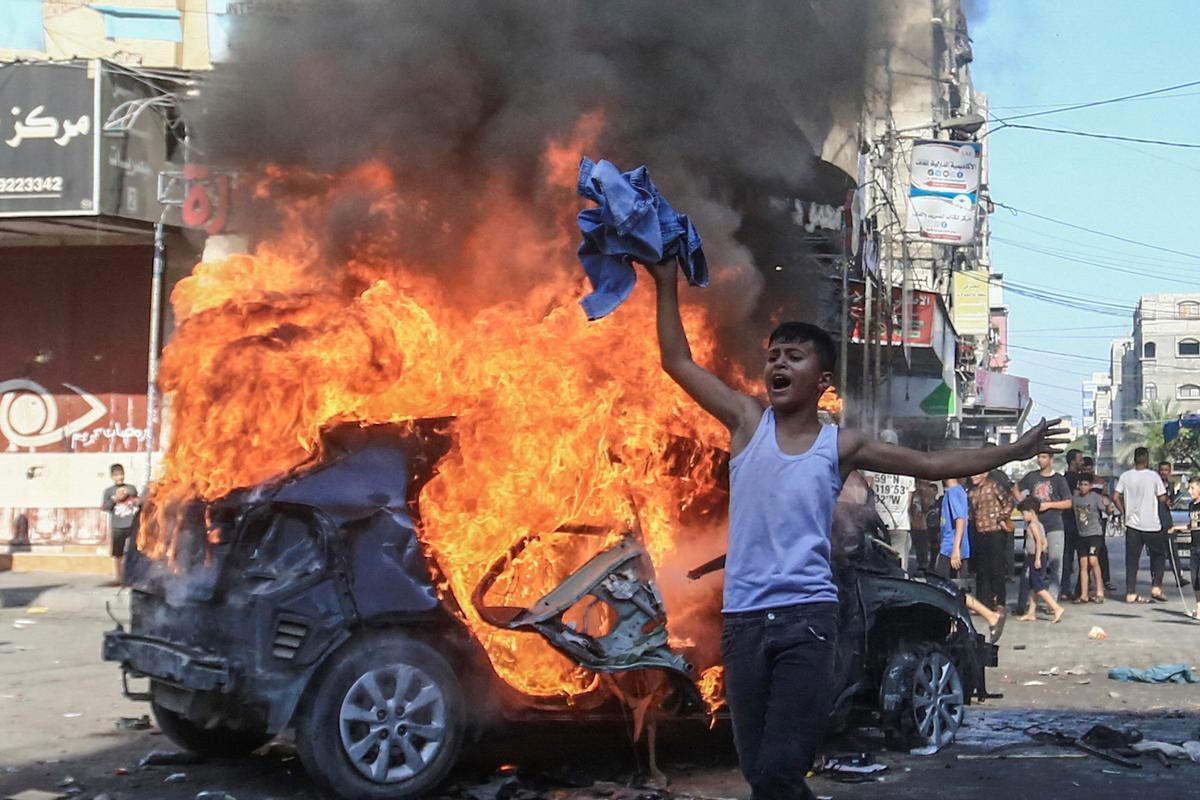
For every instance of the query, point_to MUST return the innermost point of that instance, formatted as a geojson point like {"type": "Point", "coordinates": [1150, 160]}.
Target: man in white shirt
{"type": "Point", "coordinates": [1137, 496]}
{"type": "Point", "coordinates": [893, 502]}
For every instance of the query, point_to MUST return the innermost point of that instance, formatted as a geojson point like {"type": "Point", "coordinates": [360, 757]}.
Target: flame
{"type": "Point", "coordinates": [557, 420]}
{"type": "Point", "coordinates": [712, 691]}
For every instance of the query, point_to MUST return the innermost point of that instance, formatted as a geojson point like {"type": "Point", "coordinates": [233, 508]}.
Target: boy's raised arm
{"type": "Point", "coordinates": [736, 411]}
{"type": "Point", "coordinates": [859, 451]}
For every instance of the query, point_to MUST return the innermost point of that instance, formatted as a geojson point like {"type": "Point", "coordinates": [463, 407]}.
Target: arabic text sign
{"type": "Point", "coordinates": [47, 138]}
{"type": "Point", "coordinates": [945, 167]}
{"type": "Point", "coordinates": [938, 218]}
{"type": "Point", "coordinates": [972, 309]}
{"type": "Point", "coordinates": [943, 188]}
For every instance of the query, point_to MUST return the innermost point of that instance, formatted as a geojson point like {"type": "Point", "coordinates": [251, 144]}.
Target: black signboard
{"type": "Point", "coordinates": [48, 138]}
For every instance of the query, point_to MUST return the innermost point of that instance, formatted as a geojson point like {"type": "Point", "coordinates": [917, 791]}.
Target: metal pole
{"type": "Point", "coordinates": [156, 289]}
{"type": "Point", "coordinates": [843, 348]}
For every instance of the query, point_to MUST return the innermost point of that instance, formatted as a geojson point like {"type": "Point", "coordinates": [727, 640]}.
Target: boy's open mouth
{"type": "Point", "coordinates": [780, 381]}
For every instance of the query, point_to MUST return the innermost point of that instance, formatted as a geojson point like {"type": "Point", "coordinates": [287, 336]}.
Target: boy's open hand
{"type": "Point", "coordinates": [1045, 437]}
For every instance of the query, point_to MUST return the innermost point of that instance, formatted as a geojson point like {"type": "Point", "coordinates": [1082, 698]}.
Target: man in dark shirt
{"type": "Point", "coordinates": [1194, 528]}
{"type": "Point", "coordinates": [1164, 519]}
{"type": "Point", "coordinates": [121, 501]}
{"type": "Point", "coordinates": [1070, 529]}
{"type": "Point", "coordinates": [1054, 496]}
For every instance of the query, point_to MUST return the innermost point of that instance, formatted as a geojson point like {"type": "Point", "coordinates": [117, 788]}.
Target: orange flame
{"type": "Point", "coordinates": [558, 420]}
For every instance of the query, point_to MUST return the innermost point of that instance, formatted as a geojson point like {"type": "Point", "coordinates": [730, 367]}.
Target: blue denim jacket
{"type": "Point", "coordinates": [631, 220]}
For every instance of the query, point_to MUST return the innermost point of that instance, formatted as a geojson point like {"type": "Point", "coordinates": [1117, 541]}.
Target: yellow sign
{"type": "Point", "coordinates": [972, 309]}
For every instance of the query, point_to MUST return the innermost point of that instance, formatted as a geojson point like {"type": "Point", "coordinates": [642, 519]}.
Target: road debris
{"type": "Point", "coordinates": [211, 795]}
{"type": "Point", "coordinates": [141, 723]}
{"type": "Point", "coordinates": [1188, 750]}
{"type": "Point", "coordinates": [23, 623]}
{"type": "Point", "coordinates": [34, 794]}
{"type": "Point", "coordinates": [36, 610]}
{"type": "Point", "coordinates": [176, 777]}
{"type": "Point", "coordinates": [1034, 683]}
{"type": "Point", "coordinates": [1163, 673]}
{"type": "Point", "coordinates": [1097, 633]}
{"type": "Point", "coordinates": [161, 758]}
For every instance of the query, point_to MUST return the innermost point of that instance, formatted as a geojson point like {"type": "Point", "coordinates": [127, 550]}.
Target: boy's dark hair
{"type": "Point", "coordinates": [801, 332]}
{"type": "Point", "coordinates": [1030, 503]}
{"type": "Point", "coordinates": [1141, 456]}
{"type": "Point", "coordinates": [114, 468]}
{"type": "Point", "coordinates": [1086, 476]}
{"type": "Point", "coordinates": [1088, 461]}
{"type": "Point", "coordinates": [1070, 455]}
{"type": "Point", "coordinates": [1162, 464]}
{"type": "Point", "coordinates": [1194, 479]}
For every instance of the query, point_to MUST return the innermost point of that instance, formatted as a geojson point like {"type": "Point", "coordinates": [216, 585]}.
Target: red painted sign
{"type": "Point", "coordinates": [921, 310]}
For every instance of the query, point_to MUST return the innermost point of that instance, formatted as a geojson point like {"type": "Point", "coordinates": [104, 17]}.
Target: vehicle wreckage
{"type": "Point", "coordinates": [309, 603]}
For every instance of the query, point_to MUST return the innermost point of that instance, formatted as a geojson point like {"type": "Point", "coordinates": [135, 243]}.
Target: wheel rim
{"type": "Point", "coordinates": [937, 699]}
{"type": "Point", "coordinates": [393, 723]}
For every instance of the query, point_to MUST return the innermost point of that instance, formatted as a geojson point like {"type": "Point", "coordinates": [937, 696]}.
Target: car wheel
{"type": "Point", "coordinates": [385, 721]}
{"type": "Point", "coordinates": [922, 697]}
{"type": "Point", "coordinates": [217, 741]}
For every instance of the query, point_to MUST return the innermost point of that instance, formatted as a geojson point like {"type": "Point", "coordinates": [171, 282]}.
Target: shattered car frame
{"type": "Point", "coordinates": [309, 603]}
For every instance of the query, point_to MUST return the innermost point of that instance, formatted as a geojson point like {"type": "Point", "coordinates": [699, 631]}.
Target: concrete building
{"type": "Point", "coordinates": [925, 240]}
{"type": "Point", "coordinates": [1166, 336]}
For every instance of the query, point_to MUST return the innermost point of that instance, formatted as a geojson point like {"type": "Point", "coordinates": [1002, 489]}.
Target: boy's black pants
{"type": "Point", "coordinates": [778, 668]}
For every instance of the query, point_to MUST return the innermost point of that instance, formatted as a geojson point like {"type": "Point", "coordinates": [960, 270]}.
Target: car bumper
{"type": "Point", "coordinates": [161, 660]}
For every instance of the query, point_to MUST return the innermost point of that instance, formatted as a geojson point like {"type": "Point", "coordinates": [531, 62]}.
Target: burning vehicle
{"type": "Point", "coordinates": [310, 602]}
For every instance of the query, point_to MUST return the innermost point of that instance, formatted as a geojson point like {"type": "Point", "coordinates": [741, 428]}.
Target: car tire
{"type": "Point", "coordinates": [384, 720]}
{"type": "Point", "coordinates": [922, 697]}
{"type": "Point", "coordinates": [218, 741]}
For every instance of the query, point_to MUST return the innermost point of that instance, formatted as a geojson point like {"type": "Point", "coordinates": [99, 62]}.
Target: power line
{"type": "Point", "coordinates": [1056, 353]}
{"type": "Point", "coordinates": [1066, 224]}
{"type": "Point", "coordinates": [1090, 135]}
{"type": "Point", "coordinates": [1020, 107]}
{"type": "Point", "coordinates": [1189, 280]}
{"type": "Point", "coordinates": [1093, 103]}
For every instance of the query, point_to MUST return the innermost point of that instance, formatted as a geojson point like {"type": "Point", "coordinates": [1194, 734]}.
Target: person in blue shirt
{"type": "Point", "coordinates": [955, 551]}
{"type": "Point", "coordinates": [780, 615]}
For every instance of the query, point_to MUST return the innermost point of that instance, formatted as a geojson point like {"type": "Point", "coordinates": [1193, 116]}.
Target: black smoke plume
{"type": "Point", "coordinates": [726, 102]}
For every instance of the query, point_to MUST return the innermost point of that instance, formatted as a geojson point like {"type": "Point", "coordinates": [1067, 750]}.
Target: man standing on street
{"type": "Point", "coordinates": [1070, 529]}
{"type": "Point", "coordinates": [893, 502]}
{"type": "Point", "coordinates": [1054, 497]}
{"type": "Point", "coordinates": [121, 502]}
{"type": "Point", "coordinates": [991, 512]}
{"type": "Point", "coordinates": [1166, 523]}
{"type": "Point", "coordinates": [1139, 491]}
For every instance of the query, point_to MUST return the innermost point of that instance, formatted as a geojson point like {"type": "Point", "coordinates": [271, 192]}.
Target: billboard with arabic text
{"type": "Point", "coordinates": [49, 138]}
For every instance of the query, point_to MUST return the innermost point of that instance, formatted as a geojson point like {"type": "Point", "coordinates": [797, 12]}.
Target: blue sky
{"type": "Point", "coordinates": [1030, 54]}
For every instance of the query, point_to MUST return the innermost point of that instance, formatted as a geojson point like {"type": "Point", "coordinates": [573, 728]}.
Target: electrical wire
{"type": "Point", "coordinates": [1064, 223]}
{"type": "Point", "coordinates": [1090, 135]}
{"type": "Point", "coordinates": [1094, 103]}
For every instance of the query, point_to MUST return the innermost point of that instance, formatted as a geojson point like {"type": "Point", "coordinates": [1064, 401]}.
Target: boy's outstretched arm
{"type": "Point", "coordinates": [856, 450]}
{"type": "Point", "coordinates": [738, 412]}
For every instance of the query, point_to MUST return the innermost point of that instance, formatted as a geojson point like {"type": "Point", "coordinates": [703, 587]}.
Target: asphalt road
{"type": "Point", "coordinates": [60, 706]}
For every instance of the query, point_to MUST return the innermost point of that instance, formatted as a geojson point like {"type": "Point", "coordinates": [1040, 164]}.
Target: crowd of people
{"type": "Point", "coordinates": [1066, 519]}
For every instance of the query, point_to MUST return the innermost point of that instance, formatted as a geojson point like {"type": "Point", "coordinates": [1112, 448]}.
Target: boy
{"type": "Point", "coordinates": [1039, 582]}
{"type": "Point", "coordinates": [1193, 527]}
{"type": "Point", "coordinates": [786, 468]}
{"type": "Point", "coordinates": [121, 501]}
{"type": "Point", "coordinates": [1088, 506]}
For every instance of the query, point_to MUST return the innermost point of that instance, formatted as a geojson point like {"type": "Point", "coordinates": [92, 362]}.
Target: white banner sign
{"type": "Point", "coordinates": [943, 188]}
{"type": "Point", "coordinates": [948, 220]}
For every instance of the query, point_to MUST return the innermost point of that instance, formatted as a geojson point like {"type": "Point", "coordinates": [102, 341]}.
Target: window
{"type": "Point", "coordinates": [1149, 350]}
{"type": "Point", "coordinates": [1189, 347]}
{"type": "Point", "coordinates": [1188, 309]}
{"type": "Point", "coordinates": [1189, 391]}
{"type": "Point", "coordinates": [1150, 392]}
